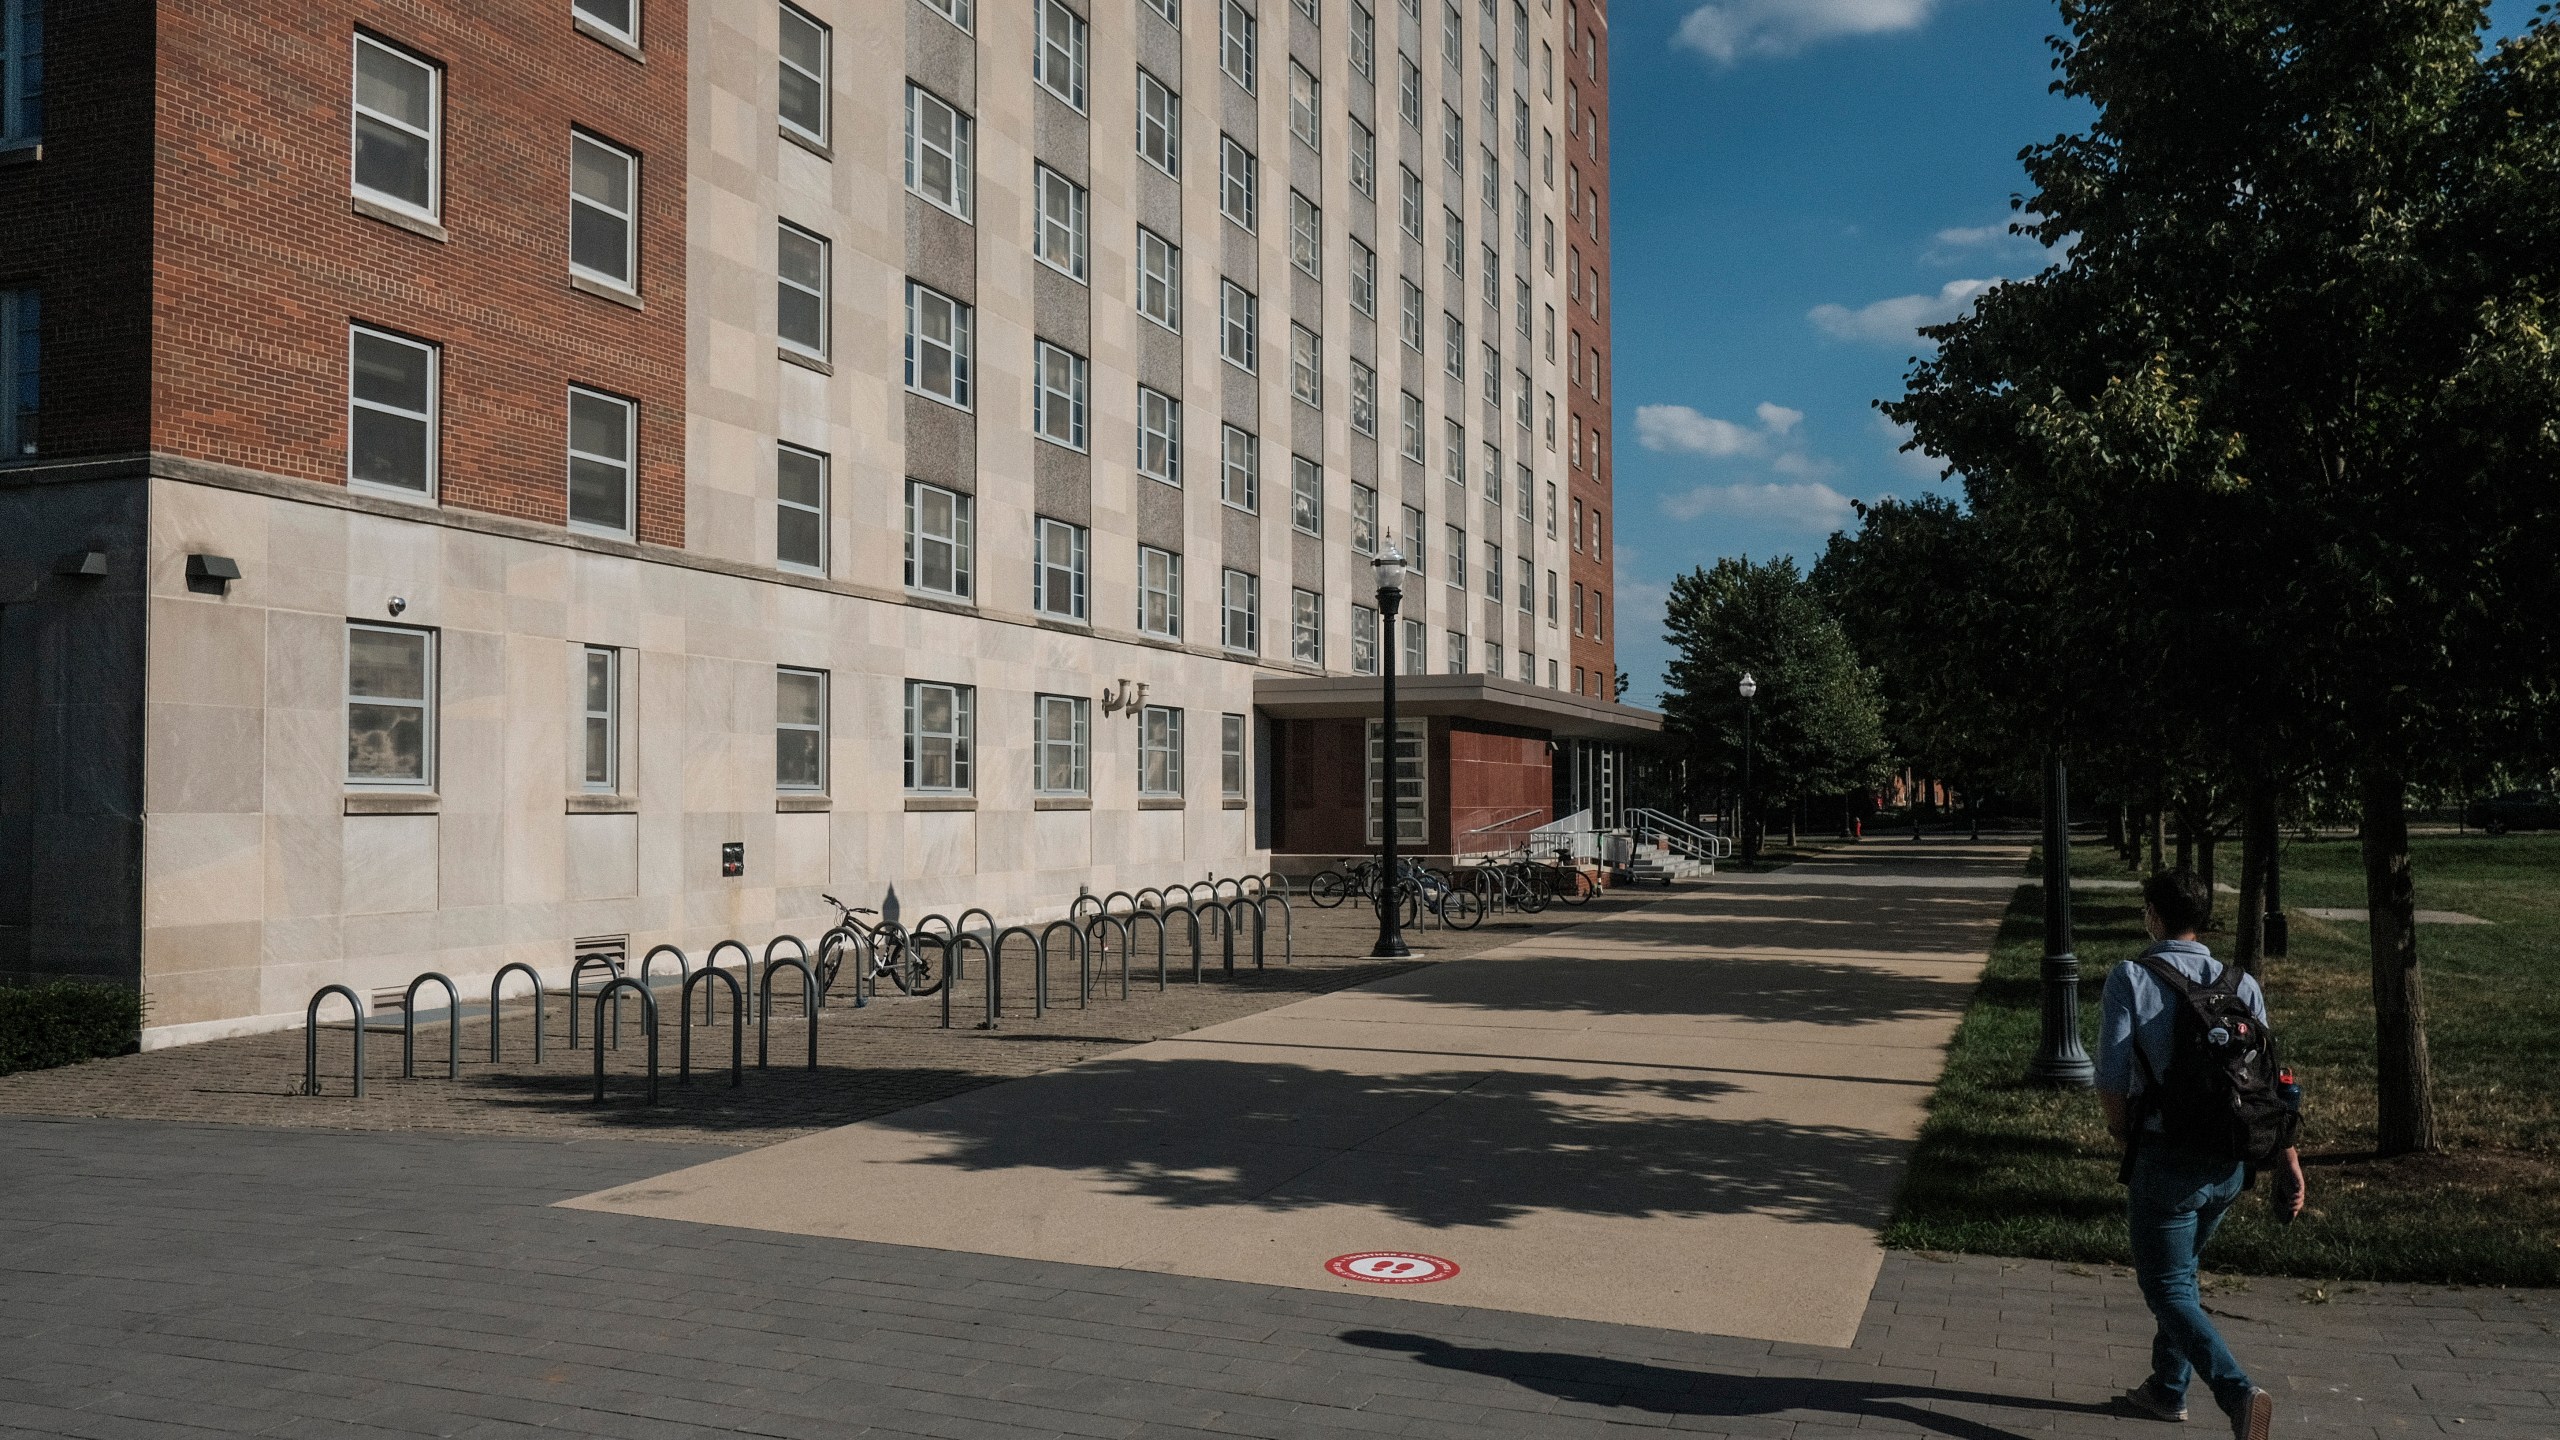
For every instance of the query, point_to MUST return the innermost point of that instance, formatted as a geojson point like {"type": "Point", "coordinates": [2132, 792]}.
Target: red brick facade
{"type": "Point", "coordinates": [1584, 51]}
{"type": "Point", "coordinates": [1476, 775]}
{"type": "Point", "coordinates": [260, 260]}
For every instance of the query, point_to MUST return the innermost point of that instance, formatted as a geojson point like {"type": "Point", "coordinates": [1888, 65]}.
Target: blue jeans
{"type": "Point", "coordinates": [2173, 1203]}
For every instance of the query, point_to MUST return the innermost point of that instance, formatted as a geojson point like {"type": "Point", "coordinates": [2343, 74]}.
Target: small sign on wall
{"type": "Point", "coordinates": [733, 859]}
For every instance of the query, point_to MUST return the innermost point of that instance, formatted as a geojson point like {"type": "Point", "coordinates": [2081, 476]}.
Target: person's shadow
{"type": "Point", "coordinates": [1595, 1380]}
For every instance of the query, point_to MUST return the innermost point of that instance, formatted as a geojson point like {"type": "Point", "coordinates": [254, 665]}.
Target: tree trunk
{"type": "Point", "coordinates": [2257, 847]}
{"type": "Point", "coordinates": [2116, 831]}
{"type": "Point", "coordinates": [2406, 1119]}
{"type": "Point", "coordinates": [1793, 811]}
{"type": "Point", "coordinates": [2205, 845]}
{"type": "Point", "coordinates": [2159, 839]}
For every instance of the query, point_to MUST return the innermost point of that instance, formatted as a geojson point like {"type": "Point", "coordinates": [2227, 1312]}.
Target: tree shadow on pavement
{"type": "Point", "coordinates": [1665, 1390]}
{"type": "Point", "coordinates": [1776, 990]}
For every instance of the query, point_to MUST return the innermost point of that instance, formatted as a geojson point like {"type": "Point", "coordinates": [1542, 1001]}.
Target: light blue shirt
{"type": "Point", "coordinates": [2137, 1010]}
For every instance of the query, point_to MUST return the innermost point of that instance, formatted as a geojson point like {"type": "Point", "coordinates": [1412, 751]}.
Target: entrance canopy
{"type": "Point", "coordinates": [1558, 713]}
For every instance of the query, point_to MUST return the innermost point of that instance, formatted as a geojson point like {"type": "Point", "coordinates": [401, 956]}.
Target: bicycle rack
{"type": "Point", "coordinates": [1288, 924]}
{"type": "Point", "coordinates": [963, 926]}
{"type": "Point", "coordinates": [500, 979]}
{"type": "Point", "coordinates": [1213, 889]}
{"type": "Point", "coordinates": [409, 1028]}
{"type": "Point", "coordinates": [648, 1010]}
{"type": "Point", "coordinates": [1192, 914]}
{"type": "Point", "coordinates": [764, 1008]}
{"type": "Point", "coordinates": [1226, 932]}
{"type": "Point", "coordinates": [1095, 927]}
{"type": "Point", "coordinates": [1259, 889]}
{"type": "Point", "coordinates": [1084, 954]}
{"type": "Point", "coordinates": [955, 949]}
{"type": "Point", "coordinates": [737, 1024]}
{"type": "Point", "coordinates": [611, 966]}
{"type": "Point", "coordinates": [747, 969]}
{"type": "Point", "coordinates": [1275, 878]}
{"type": "Point", "coordinates": [1118, 895]}
{"type": "Point", "coordinates": [1039, 964]}
{"type": "Point", "coordinates": [311, 1038]}
{"type": "Point", "coordinates": [1142, 895]}
{"type": "Point", "coordinates": [684, 972]}
{"type": "Point", "coordinates": [1130, 927]}
{"type": "Point", "coordinates": [1075, 907]}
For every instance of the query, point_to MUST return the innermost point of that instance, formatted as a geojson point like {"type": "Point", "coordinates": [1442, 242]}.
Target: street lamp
{"type": "Point", "coordinates": [1750, 837]}
{"type": "Point", "coordinates": [1390, 946]}
{"type": "Point", "coordinates": [2060, 1058]}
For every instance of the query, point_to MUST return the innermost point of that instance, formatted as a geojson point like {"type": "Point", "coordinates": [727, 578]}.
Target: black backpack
{"type": "Point", "coordinates": [2225, 1093]}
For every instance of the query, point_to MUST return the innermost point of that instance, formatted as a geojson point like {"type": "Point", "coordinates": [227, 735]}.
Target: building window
{"type": "Point", "coordinates": [1306, 366]}
{"type": "Point", "coordinates": [1159, 279]}
{"type": "Point", "coordinates": [21, 371]}
{"type": "Point", "coordinates": [1364, 640]}
{"type": "Point", "coordinates": [800, 291]}
{"type": "Point", "coordinates": [391, 410]}
{"type": "Point", "coordinates": [1236, 43]}
{"type": "Point", "coordinates": [938, 345]}
{"type": "Point", "coordinates": [399, 123]}
{"type": "Point", "coordinates": [1520, 413]}
{"type": "Point", "coordinates": [1169, 9]}
{"type": "Point", "coordinates": [800, 509]}
{"type": "Point", "coordinates": [1409, 90]}
{"type": "Point", "coordinates": [1364, 277]}
{"type": "Point", "coordinates": [1457, 652]}
{"type": "Point", "coordinates": [1453, 144]}
{"type": "Point", "coordinates": [1364, 159]}
{"type": "Point", "coordinates": [1159, 124]}
{"type": "Point", "coordinates": [1061, 744]}
{"type": "Point", "coordinates": [604, 228]}
{"type": "Point", "coordinates": [1551, 509]}
{"type": "Point", "coordinates": [1240, 479]}
{"type": "Point", "coordinates": [1453, 457]}
{"type": "Point", "coordinates": [1364, 398]}
{"type": "Point", "coordinates": [806, 57]}
{"type": "Point", "coordinates": [600, 712]}
{"type": "Point", "coordinates": [1521, 487]}
{"type": "Point", "coordinates": [601, 431]}
{"type": "Point", "coordinates": [941, 150]}
{"type": "Point", "coordinates": [1457, 539]}
{"type": "Point", "coordinates": [1057, 60]}
{"type": "Point", "coordinates": [939, 550]}
{"type": "Point", "coordinates": [799, 730]}
{"type": "Point", "coordinates": [1364, 519]}
{"type": "Point", "coordinates": [1058, 569]}
{"type": "Point", "coordinates": [1159, 592]}
{"type": "Point", "coordinates": [1489, 361]}
{"type": "Point", "coordinates": [1409, 320]}
{"type": "Point", "coordinates": [1239, 324]}
{"type": "Point", "coordinates": [1306, 495]}
{"type": "Point", "coordinates": [1306, 627]}
{"type": "Point", "coordinates": [941, 732]}
{"type": "Point", "coordinates": [1599, 614]}
{"type": "Point", "coordinates": [21, 72]}
{"type": "Point", "coordinates": [1231, 756]}
{"type": "Point", "coordinates": [1364, 42]}
{"type": "Point", "coordinates": [1453, 242]}
{"type": "Point", "coordinates": [1453, 354]}
{"type": "Point", "coordinates": [1159, 436]}
{"type": "Point", "coordinates": [1528, 589]}
{"type": "Point", "coordinates": [1413, 820]}
{"type": "Point", "coordinates": [1415, 560]}
{"type": "Point", "coordinates": [391, 706]}
{"type": "Point", "coordinates": [1577, 607]}
{"type": "Point", "coordinates": [1306, 107]}
{"type": "Point", "coordinates": [1057, 394]}
{"type": "Point", "coordinates": [1159, 750]}
{"type": "Point", "coordinates": [1551, 599]}
{"type": "Point", "coordinates": [1306, 235]}
{"type": "Point", "coordinates": [1412, 447]}
{"type": "Point", "coordinates": [1239, 180]}
{"type": "Point", "coordinates": [1415, 661]}
{"type": "Point", "coordinates": [1240, 608]}
{"type": "Point", "coordinates": [1493, 574]}
{"type": "Point", "coordinates": [1409, 188]}
{"type": "Point", "coordinates": [619, 18]}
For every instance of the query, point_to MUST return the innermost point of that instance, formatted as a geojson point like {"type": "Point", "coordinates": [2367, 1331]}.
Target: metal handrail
{"type": "Point", "coordinates": [1700, 843]}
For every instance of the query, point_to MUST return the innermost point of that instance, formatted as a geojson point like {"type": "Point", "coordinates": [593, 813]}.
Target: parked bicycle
{"type": "Point", "coordinates": [887, 952]}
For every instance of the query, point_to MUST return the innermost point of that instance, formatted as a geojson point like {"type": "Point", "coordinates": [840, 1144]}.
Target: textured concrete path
{"type": "Point", "coordinates": [1690, 1116]}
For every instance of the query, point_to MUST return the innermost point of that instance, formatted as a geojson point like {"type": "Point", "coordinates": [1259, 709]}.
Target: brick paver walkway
{"type": "Point", "coordinates": [180, 1282]}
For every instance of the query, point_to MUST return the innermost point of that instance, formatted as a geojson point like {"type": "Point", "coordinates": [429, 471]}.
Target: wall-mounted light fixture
{"type": "Point", "coordinates": [211, 574]}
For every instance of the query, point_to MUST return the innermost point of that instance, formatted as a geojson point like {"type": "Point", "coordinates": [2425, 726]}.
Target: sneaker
{"type": "Point", "coordinates": [2255, 1418]}
{"type": "Point", "coordinates": [2149, 1399]}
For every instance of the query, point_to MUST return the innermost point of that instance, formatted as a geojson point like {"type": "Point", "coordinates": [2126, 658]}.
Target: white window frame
{"type": "Point", "coordinates": [1240, 469]}
{"type": "Point", "coordinates": [1050, 751]}
{"type": "Point", "coordinates": [1306, 495]}
{"type": "Point", "coordinates": [1058, 62]}
{"type": "Point", "coordinates": [1058, 412]}
{"type": "Point", "coordinates": [822, 291]}
{"type": "Point", "coordinates": [1493, 572]}
{"type": "Point", "coordinates": [628, 462]}
{"type": "Point", "coordinates": [1232, 773]}
{"type": "Point", "coordinates": [1453, 333]}
{"type": "Point", "coordinates": [1364, 42]}
{"type": "Point", "coordinates": [1061, 550]}
{"type": "Point", "coordinates": [961, 737]}
{"type": "Point", "coordinates": [1409, 322]}
{"type": "Point", "coordinates": [1159, 591]}
{"type": "Point", "coordinates": [1453, 241]}
{"type": "Point", "coordinates": [1306, 235]}
{"type": "Point", "coordinates": [1364, 398]}
{"type": "Point", "coordinates": [923, 300]}
{"type": "Point", "coordinates": [599, 727]}
{"type": "Point", "coordinates": [432, 417]}
{"type": "Point", "coordinates": [959, 539]}
{"type": "Point", "coordinates": [425, 704]}
{"type": "Point", "coordinates": [818, 512]}
{"type": "Point", "coordinates": [1306, 627]}
{"type": "Point", "coordinates": [628, 218]}
{"type": "Point", "coordinates": [1364, 159]}
{"type": "Point", "coordinates": [1417, 552]}
{"type": "Point", "coordinates": [1159, 429]}
{"type": "Point", "coordinates": [1239, 183]}
{"type": "Point", "coordinates": [1364, 640]}
{"type": "Point", "coordinates": [1306, 366]}
{"type": "Point", "coordinates": [1306, 107]}
{"type": "Point", "coordinates": [1528, 584]}
{"type": "Point", "coordinates": [1159, 279]}
{"type": "Point", "coordinates": [1458, 652]}
{"type": "Point", "coordinates": [628, 34]}
{"type": "Point", "coordinates": [1159, 124]}
{"type": "Point", "coordinates": [1238, 44]}
{"type": "Point", "coordinates": [1408, 90]}
{"type": "Point", "coordinates": [1239, 326]}
{"type": "Point", "coordinates": [1417, 659]}
{"type": "Point", "coordinates": [781, 726]}
{"type": "Point", "coordinates": [823, 77]}
{"type": "Point", "coordinates": [1411, 447]}
{"type": "Point", "coordinates": [359, 112]}
{"type": "Point", "coordinates": [1169, 9]}
{"type": "Point", "coordinates": [1364, 519]}
{"type": "Point", "coordinates": [1413, 760]}
{"type": "Point", "coordinates": [1159, 748]}
{"type": "Point", "coordinates": [1364, 277]}
{"type": "Point", "coordinates": [1456, 537]}
{"type": "Point", "coordinates": [1058, 229]}
{"type": "Point", "coordinates": [1409, 190]}
{"type": "Point", "coordinates": [1240, 612]}
{"type": "Point", "coordinates": [960, 155]}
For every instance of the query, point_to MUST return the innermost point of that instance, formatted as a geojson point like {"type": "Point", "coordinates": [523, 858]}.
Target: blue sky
{"type": "Point", "coordinates": [1797, 184]}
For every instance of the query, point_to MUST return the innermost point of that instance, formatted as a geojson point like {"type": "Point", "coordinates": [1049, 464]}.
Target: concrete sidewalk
{"type": "Point", "coordinates": [1691, 1116]}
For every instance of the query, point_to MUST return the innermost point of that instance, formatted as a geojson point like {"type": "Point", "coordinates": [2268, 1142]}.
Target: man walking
{"type": "Point", "coordinates": [2177, 1188]}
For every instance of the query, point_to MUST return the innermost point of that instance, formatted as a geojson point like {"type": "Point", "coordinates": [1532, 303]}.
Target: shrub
{"type": "Point", "coordinates": [62, 1022]}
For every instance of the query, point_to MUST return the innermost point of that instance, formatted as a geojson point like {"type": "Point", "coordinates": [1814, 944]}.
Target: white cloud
{"type": "Point", "coordinates": [1813, 507]}
{"type": "Point", "coordinates": [1893, 322]}
{"type": "Point", "coordinates": [1681, 430]}
{"type": "Point", "coordinates": [1777, 419]}
{"type": "Point", "coordinates": [1957, 244]}
{"type": "Point", "coordinates": [1732, 30]}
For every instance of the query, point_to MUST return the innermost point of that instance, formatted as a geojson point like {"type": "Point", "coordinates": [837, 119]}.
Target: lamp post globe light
{"type": "Point", "coordinates": [1750, 837]}
{"type": "Point", "coordinates": [1390, 946]}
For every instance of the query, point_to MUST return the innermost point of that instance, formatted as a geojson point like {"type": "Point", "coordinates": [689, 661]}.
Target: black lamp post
{"type": "Point", "coordinates": [1750, 833]}
{"type": "Point", "coordinates": [2060, 1058]}
{"type": "Point", "coordinates": [1390, 944]}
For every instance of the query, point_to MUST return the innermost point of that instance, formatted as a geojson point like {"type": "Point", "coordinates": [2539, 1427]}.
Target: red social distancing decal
{"type": "Point", "coordinates": [1391, 1267]}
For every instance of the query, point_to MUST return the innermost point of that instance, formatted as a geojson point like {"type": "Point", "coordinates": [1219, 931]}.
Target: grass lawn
{"type": "Point", "coordinates": [2006, 1169]}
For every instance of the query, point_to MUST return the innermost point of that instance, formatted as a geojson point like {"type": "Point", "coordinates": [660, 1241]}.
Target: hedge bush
{"type": "Point", "coordinates": [63, 1022]}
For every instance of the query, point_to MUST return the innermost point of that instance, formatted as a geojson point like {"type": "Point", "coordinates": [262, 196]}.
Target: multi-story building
{"type": "Point", "coordinates": [478, 480]}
